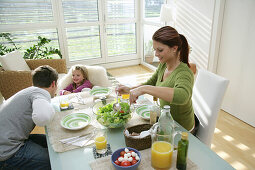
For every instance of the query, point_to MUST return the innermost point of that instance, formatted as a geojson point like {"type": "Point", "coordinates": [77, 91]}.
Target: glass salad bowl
{"type": "Point", "coordinates": [106, 116]}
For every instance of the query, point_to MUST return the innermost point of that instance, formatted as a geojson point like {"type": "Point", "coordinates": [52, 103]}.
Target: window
{"type": "Point", "coordinates": [149, 56]}
{"type": "Point", "coordinates": [120, 28]}
{"type": "Point", "coordinates": [26, 20]}
{"type": "Point", "coordinates": [26, 39]}
{"type": "Point", "coordinates": [22, 12]}
{"type": "Point", "coordinates": [120, 9]}
{"type": "Point", "coordinates": [121, 39]}
{"type": "Point", "coordinates": [83, 42]}
{"type": "Point", "coordinates": [152, 10]}
{"type": "Point", "coordinates": [98, 31]}
{"type": "Point", "coordinates": [76, 11]}
{"type": "Point", "coordinates": [151, 23]}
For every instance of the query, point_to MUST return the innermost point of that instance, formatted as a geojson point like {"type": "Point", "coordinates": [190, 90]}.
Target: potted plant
{"type": "Point", "coordinates": [36, 51]}
{"type": "Point", "coordinates": [149, 54]}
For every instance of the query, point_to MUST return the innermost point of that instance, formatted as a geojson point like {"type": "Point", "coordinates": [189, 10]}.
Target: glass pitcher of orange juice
{"type": "Point", "coordinates": [162, 147]}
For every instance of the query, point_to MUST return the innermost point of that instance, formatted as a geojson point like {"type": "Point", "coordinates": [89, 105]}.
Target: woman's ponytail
{"type": "Point", "coordinates": [184, 50]}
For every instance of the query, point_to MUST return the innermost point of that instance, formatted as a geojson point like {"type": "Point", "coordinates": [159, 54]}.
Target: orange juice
{"type": "Point", "coordinates": [100, 142]}
{"type": "Point", "coordinates": [161, 155]}
{"type": "Point", "coordinates": [64, 105]}
{"type": "Point", "coordinates": [125, 96]}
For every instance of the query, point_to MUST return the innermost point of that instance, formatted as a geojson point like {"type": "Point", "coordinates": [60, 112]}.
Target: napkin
{"type": "Point", "coordinates": [138, 136]}
{"type": "Point", "coordinates": [83, 140]}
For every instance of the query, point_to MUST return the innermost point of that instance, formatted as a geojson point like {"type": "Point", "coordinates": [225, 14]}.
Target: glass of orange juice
{"type": "Point", "coordinates": [64, 102]}
{"type": "Point", "coordinates": [101, 141]}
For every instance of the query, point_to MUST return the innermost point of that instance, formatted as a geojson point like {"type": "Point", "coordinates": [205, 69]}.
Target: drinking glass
{"type": "Point", "coordinates": [101, 141]}
{"type": "Point", "coordinates": [64, 102]}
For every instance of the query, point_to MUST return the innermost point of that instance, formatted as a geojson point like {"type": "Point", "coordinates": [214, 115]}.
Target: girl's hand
{"type": "Point", "coordinates": [122, 89]}
{"type": "Point", "coordinates": [135, 93]}
{"type": "Point", "coordinates": [66, 92]}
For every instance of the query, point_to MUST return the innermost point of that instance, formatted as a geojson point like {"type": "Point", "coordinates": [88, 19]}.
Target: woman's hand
{"type": "Point", "coordinates": [122, 89]}
{"type": "Point", "coordinates": [135, 93]}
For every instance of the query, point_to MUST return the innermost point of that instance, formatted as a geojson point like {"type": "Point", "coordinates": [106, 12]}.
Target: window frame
{"type": "Point", "coordinates": [60, 26]}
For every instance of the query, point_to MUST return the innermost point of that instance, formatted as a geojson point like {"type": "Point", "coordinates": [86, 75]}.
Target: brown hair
{"type": "Point", "coordinates": [169, 36]}
{"type": "Point", "coordinates": [84, 72]}
{"type": "Point", "coordinates": [43, 76]}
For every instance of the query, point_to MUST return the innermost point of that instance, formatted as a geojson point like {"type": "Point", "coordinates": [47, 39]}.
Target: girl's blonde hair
{"type": "Point", "coordinates": [83, 70]}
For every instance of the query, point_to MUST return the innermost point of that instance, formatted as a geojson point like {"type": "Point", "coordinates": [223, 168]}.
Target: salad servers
{"type": "Point", "coordinates": [116, 106]}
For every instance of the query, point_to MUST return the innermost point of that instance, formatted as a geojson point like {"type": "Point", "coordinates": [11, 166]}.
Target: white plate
{"type": "Point", "coordinates": [100, 91]}
{"type": "Point", "coordinates": [75, 121]}
{"type": "Point", "coordinates": [143, 111]}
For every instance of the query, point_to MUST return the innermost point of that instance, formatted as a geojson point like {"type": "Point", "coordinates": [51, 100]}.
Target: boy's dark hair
{"type": "Point", "coordinates": [43, 76]}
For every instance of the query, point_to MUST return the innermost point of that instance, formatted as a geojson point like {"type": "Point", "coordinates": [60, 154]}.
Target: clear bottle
{"type": "Point", "coordinates": [154, 110]}
{"type": "Point", "coordinates": [156, 103]}
{"type": "Point", "coordinates": [182, 152]}
{"type": "Point", "coordinates": [166, 121]}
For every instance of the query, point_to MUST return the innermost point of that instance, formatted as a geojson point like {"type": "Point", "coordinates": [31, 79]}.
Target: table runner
{"type": "Point", "coordinates": [56, 132]}
{"type": "Point", "coordinates": [105, 163]}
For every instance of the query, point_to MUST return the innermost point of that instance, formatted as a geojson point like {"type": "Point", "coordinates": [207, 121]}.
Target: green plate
{"type": "Point", "coordinates": [100, 91]}
{"type": "Point", "coordinates": [143, 111]}
{"type": "Point", "coordinates": [75, 121]}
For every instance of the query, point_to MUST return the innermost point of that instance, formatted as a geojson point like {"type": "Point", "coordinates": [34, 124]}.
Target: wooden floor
{"type": "Point", "coordinates": [234, 140]}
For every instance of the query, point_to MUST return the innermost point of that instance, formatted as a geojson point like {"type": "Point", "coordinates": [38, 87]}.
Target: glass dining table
{"type": "Point", "coordinates": [80, 158]}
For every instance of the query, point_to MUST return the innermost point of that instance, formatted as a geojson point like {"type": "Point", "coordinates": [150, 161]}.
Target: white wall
{"type": "Point", "coordinates": [236, 60]}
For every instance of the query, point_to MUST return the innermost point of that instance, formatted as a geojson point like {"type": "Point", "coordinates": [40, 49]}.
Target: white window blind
{"type": "Point", "coordinates": [120, 9]}
{"type": "Point", "coordinates": [197, 28]}
{"type": "Point", "coordinates": [76, 11]}
{"type": "Point", "coordinates": [152, 8]}
{"type": "Point", "coordinates": [151, 20]}
{"type": "Point", "coordinates": [83, 42]}
{"type": "Point", "coordinates": [91, 30]}
{"type": "Point", "coordinates": [25, 11]}
{"type": "Point", "coordinates": [121, 39]}
{"type": "Point", "coordinates": [18, 16]}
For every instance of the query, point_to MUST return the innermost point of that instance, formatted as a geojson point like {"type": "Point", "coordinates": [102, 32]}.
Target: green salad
{"type": "Point", "coordinates": [109, 118]}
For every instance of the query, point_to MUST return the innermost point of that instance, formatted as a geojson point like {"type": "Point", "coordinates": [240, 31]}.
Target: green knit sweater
{"type": "Point", "coordinates": [181, 79]}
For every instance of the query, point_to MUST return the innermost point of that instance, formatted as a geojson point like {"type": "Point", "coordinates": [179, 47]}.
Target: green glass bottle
{"type": "Point", "coordinates": [182, 153]}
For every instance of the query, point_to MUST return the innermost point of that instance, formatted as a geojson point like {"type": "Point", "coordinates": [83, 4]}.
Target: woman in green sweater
{"type": "Point", "coordinates": [173, 80]}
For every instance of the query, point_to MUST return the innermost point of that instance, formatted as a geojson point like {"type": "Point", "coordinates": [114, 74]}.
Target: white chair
{"type": "Point", "coordinates": [97, 75]}
{"type": "Point", "coordinates": [208, 92]}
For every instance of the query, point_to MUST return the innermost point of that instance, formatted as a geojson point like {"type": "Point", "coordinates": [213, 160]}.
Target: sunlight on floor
{"type": "Point", "coordinates": [212, 146]}
{"type": "Point", "coordinates": [134, 79]}
{"type": "Point", "coordinates": [239, 165]}
{"type": "Point", "coordinates": [216, 131]}
{"type": "Point", "coordinates": [228, 144]}
{"type": "Point", "coordinates": [223, 154]}
{"type": "Point", "coordinates": [228, 138]}
{"type": "Point", "coordinates": [242, 147]}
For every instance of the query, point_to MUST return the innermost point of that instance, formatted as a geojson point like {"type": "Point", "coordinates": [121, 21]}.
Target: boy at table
{"type": "Point", "coordinates": [18, 116]}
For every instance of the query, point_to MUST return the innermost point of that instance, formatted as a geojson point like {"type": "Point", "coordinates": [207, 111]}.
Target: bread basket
{"type": "Point", "coordinates": [138, 143]}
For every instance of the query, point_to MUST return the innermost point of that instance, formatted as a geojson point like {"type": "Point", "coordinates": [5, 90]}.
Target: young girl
{"type": "Point", "coordinates": [80, 81]}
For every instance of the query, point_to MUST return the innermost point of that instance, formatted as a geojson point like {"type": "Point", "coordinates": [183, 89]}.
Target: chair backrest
{"type": "Point", "coordinates": [208, 92]}
{"type": "Point", "coordinates": [97, 75]}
